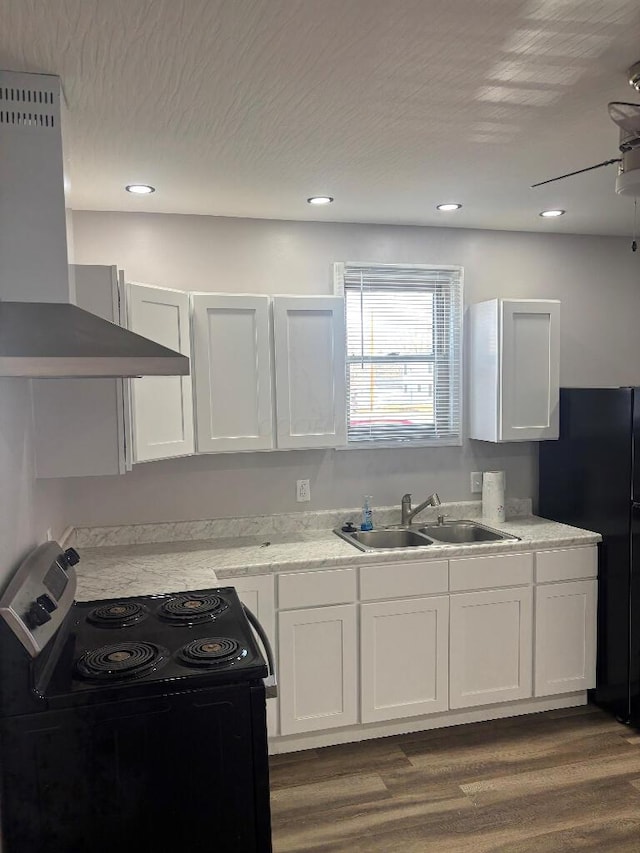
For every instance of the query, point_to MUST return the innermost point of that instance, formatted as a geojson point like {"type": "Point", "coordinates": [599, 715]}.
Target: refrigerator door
{"type": "Point", "coordinates": [634, 618]}
{"type": "Point", "coordinates": [636, 445]}
{"type": "Point", "coordinates": [586, 481]}
{"type": "Point", "coordinates": [585, 476]}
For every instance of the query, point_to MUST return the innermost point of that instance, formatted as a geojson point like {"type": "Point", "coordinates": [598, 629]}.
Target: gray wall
{"type": "Point", "coordinates": [27, 507]}
{"type": "Point", "coordinates": [597, 280]}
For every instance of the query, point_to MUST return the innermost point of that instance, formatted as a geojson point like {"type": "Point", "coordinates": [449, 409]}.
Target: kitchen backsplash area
{"type": "Point", "coordinates": [254, 484]}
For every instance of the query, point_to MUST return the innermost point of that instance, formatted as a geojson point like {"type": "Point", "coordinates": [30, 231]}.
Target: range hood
{"type": "Point", "coordinates": [42, 333]}
{"type": "Point", "coordinates": [42, 339]}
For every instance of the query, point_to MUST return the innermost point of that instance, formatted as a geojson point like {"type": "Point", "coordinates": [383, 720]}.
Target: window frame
{"type": "Point", "coordinates": [443, 441]}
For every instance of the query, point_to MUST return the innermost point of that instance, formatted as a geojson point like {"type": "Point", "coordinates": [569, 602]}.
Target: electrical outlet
{"type": "Point", "coordinates": [303, 491]}
{"type": "Point", "coordinates": [49, 534]}
{"type": "Point", "coordinates": [476, 482]}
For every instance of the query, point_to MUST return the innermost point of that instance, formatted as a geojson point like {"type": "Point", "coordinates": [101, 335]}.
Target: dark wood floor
{"type": "Point", "coordinates": [544, 783]}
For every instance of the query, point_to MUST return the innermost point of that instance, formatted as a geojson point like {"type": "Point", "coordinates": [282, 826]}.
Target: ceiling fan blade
{"type": "Point", "coordinates": [625, 115]}
{"type": "Point", "coordinates": [577, 172]}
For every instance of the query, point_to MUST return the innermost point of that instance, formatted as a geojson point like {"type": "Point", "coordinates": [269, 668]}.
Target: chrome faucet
{"type": "Point", "coordinates": [408, 513]}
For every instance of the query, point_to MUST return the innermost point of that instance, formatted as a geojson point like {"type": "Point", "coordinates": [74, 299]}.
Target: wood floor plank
{"type": "Point", "coordinates": [562, 782]}
{"type": "Point", "coordinates": [293, 757]}
{"type": "Point", "coordinates": [467, 758]}
{"type": "Point", "coordinates": [334, 761]}
{"type": "Point", "coordinates": [329, 794]}
{"type": "Point", "coordinates": [466, 767]}
{"type": "Point", "coordinates": [609, 836]}
{"type": "Point", "coordinates": [549, 779]}
{"type": "Point", "coordinates": [615, 836]}
{"type": "Point", "coordinates": [535, 825]}
{"type": "Point", "coordinates": [500, 733]}
{"type": "Point", "coordinates": [342, 826]}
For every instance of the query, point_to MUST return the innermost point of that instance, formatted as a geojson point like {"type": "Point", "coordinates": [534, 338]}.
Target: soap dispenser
{"type": "Point", "coordinates": [367, 515]}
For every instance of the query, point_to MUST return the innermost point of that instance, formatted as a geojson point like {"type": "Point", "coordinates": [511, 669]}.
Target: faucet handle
{"type": "Point", "coordinates": [441, 518]}
{"type": "Point", "coordinates": [406, 498]}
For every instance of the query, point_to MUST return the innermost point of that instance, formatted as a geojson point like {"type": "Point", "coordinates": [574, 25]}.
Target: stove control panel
{"type": "Point", "coordinates": [40, 595]}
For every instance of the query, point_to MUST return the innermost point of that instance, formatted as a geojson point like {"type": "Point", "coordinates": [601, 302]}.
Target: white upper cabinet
{"type": "Point", "coordinates": [232, 372]}
{"type": "Point", "coordinates": [514, 370]}
{"type": "Point", "coordinates": [94, 427]}
{"type": "Point", "coordinates": [161, 406]}
{"type": "Point", "coordinates": [80, 424]}
{"type": "Point", "coordinates": [309, 336]}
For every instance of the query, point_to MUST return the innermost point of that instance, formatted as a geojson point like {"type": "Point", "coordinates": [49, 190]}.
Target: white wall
{"type": "Point", "coordinates": [596, 279]}
{"type": "Point", "coordinates": [27, 507]}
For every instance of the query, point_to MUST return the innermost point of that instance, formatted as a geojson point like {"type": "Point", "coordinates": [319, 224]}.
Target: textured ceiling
{"type": "Point", "coordinates": [246, 107]}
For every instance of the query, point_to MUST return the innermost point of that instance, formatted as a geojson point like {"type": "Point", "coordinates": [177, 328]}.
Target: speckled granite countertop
{"type": "Point", "coordinates": [142, 569]}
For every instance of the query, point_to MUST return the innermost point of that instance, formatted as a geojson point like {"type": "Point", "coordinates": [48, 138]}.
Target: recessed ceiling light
{"type": "Point", "coordinates": [447, 207]}
{"type": "Point", "coordinates": [549, 214]}
{"type": "Point", "coordinates": [140, 189]}
{"type": "Point", "coordinates": [320, 199]}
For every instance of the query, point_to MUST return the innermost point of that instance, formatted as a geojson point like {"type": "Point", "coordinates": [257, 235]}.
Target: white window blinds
{"type": "Point", "coordinates": [404, 341]}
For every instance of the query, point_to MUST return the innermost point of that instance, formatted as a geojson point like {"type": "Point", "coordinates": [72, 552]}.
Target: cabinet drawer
{"type": "Point", "coordinates": [566, 564]}
{"type": "Point", "coordinates": [490, 572]}
{"type": "Point", "coordinates": [315, 589]}
{"type": "Point", "coordinates": [402, 580]}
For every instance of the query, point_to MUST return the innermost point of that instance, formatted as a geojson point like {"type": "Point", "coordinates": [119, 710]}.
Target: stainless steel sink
{"type": "Point", "coordinates": [463, 532]}
{"type": "Point", "coordinates": [384, 539]}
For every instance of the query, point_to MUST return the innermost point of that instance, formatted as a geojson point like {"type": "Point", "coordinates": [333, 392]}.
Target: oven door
{"type": "Point", "coordinates": [186, 771]}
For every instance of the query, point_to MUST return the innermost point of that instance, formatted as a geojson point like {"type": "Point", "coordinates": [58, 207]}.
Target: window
{"type": "Point", "coordinates": [404, 340]}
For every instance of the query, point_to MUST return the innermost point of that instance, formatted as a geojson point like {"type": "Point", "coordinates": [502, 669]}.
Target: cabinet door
{"type": "Point", "coordinates": [530, 369]}
{"type": "Point", "coordinates": [396, 685]}
{"type": "Point", "coordinates": [491, 647]}
{"type": "Point", "coordinates": [310, 371]}
{"type": "Point", "coordinates": [257, 593]}
{"type": "Point", "coordinates": [80, 428]}
{"type": "Point", "coordinates": [161, 406]}
{"type": "Point", "coordinates": [565, 657]}
{"type": "Point", "coordinates": [232, 369]}
{"type": "Point", "coordinates": [318, 668]}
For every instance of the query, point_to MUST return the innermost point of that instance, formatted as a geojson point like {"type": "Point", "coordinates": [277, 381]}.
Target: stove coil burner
{"type": "Point", "coordinates": [191, 609]}
{"type": "Point", "coordinates": [121, 660]}
{"type": "Point", "coordinates": [211, 651]}
{"type": "Point", "coordinates": [120, 614]}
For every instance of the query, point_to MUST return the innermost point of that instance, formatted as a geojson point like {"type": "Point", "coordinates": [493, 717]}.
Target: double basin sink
{"type": "Point", "coordinates": [461, 532]}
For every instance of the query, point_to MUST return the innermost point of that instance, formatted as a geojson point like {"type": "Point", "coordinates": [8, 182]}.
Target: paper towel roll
{"type": "Point", "coordinates": [493, 496]}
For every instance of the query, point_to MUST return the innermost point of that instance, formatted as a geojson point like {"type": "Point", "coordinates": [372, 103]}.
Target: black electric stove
{"type": "Point", "coordinates": [133, 724]}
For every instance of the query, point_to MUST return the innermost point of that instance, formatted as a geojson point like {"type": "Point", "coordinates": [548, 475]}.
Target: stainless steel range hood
{"type": "Point", "coordinates": [58, 339]}
{"type": "Point", "coordinates": [41, 332]}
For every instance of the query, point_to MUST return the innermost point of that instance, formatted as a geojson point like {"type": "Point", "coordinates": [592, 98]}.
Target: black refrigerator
{"type": "Point", "coordinates": [590, 478]}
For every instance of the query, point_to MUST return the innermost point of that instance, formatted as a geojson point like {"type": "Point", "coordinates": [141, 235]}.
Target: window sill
{"type": "Point", "coordinates": [396, 445]}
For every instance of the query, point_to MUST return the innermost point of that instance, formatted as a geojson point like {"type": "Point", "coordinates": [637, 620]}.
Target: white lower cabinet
{"type": "Point", "coordinates": [318, 668]}
{"type": "Point", "coordinates": [395, 684]}
{"type": "Point", "coordinates": [565, 646]}
{"type": "Point", "coordinates": [491, 647]}
{"type": "Point", "coordinates": [467, 623]}
{"type": "Point", "coordinates": [257, 593]}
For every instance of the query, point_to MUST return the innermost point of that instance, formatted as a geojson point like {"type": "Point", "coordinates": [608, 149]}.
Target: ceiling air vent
{"type": "Point", "coordinates": [26, 107]}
